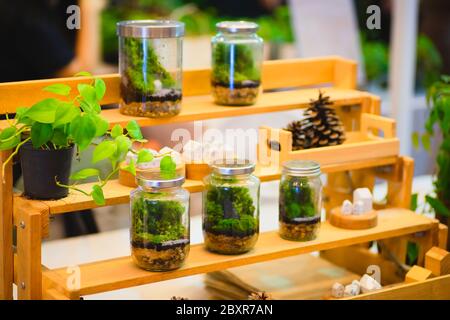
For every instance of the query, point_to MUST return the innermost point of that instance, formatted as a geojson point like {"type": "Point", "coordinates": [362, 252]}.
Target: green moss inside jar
{"type": "Point", "coordinates": [231, 209]}
{"type": "Point", "coordinates": [160, 226]}
{"type": "Point", "coordinates": [300, 201]}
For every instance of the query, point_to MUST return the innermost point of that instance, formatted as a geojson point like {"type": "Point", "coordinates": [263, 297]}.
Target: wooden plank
{"type": "Point", "coordinates": [122, 272]}
{"type": "Point", "coordinates": [203, 107]}
{"type": "Point", "coordinates": [115, 193]}
{"type": "Point", "coordinates": [28, 219]}
{"type": "Point", "coordinates": [443, 235]}
{"type": "Point", "coordinates": [6, 230]}
{"type": "Point", "coordinates": [432, 289]}
{"type": "Point", "coordinates": [275, 74]}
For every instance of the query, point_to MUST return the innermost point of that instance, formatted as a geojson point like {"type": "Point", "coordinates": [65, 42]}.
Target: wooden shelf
{"type": "Point", "coordinates": [195, 108]}
{"type": "Point", "coordinates": [122, 273]}
{"type": "Point", "coordinates": [115, 193]}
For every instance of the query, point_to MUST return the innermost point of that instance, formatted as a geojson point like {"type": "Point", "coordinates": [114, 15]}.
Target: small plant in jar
{"type": "Point", "coordinates": [300, 201]}
{"type": "Point", "coordinates": [236, 63]}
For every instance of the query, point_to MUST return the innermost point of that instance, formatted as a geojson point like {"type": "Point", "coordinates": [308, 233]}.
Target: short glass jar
{"type": "Point", "coordinates": [231, 207]}
{"type": "Point", "coordinates": [237, 53]}
{"type": "Point", "coordinates": [150, 65]}
{"type": "Point", "coordinates": [300, 200]}
{"type": "Point", "coordinates": [159, 224]}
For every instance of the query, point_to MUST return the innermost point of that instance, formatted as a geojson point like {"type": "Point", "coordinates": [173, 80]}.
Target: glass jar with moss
{"type": "Point", "coordinates": [231, 207]}
{"type": "Point", "coordinates": [300, 201]}
{"type": "Point", "coordinates": [150, 58]}
{"type": "Point", "coordinates": [237, 53]}
{"type": "Point", "coordinates": [159, 223]}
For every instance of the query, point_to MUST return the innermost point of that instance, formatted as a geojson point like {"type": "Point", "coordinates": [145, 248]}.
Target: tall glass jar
{"type": "Point", "coordinates": [237, 53]}
{"type": "Point", "coordinates": [150, 65]}
{"type": "Point", "coordinates": [159, 224]}
{"type": "Point", "coordinates": [231, 207]}
{"type": "Point", "coordinates": [300, 202]}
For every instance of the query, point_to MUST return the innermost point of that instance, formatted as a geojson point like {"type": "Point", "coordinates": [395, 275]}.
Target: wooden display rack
{"type": "Point", "coordinates": [335, 76]}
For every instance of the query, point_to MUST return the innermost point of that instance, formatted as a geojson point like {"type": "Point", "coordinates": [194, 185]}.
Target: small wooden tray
{"type": "Point", "coordinates": [354, 222]}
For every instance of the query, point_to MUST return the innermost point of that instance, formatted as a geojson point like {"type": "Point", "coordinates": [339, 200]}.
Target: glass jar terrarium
{"type": "Point", "coordinates": [159, 224]}
{"type": "Point", "coordinates": [150, 65]}
{"type": "Point", "coordinates": [237, 53]}
{"type": "Point", "coordinates": [300, 201]}
{"type": "Point", "coordinates": [231, 207]}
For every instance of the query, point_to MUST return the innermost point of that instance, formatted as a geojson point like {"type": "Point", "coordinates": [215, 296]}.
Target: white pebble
{"type": "Point", "coordinates": [158, 85]}
{"type": "Point", "coordinates": [365, 197]}
{"type": "Point", "coordinates": [351, 290]}
{"type": "Point", "coordinates": [347, 207]}
{"type": "Point", "coordinates": [337, 290]}
{"type": "Point", "coordinates": [369, 284]}
{"type": "Point", "coordinates": [358, 208]}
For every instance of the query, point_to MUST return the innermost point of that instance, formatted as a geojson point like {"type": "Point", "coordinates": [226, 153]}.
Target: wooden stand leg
{"type": "Point", "coordinates": [29, 240]}
{"type": "Point", "coordinates": [6, 230]}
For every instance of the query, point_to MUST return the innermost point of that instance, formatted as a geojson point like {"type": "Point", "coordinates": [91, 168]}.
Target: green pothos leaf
{"type": "Point", "coordinates": [98, 196]}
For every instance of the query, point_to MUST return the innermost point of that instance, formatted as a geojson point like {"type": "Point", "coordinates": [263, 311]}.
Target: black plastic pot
{"type": "Point", "coordinates": [39, 169]}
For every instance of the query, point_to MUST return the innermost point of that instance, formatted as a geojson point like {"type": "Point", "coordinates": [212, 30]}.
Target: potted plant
{"type": "Point", "coordinates": [46, 134]}
{"type": "Point", "coordinates": [438, 99]}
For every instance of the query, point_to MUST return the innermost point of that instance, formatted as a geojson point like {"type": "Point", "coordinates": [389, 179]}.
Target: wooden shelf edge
{"type": "Point", "coordinates": [121, 273]}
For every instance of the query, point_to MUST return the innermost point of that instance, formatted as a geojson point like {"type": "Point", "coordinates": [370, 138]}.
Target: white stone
{"type": "Point", "coordinates": [337, 290]}
{"type": "Point", "coordinates": [347, 207]}
{"type": "Point", "coordinates": [158, 85]}
{"type": "Point", "coordinates": [351, 290]}
{"type": "Point", "coordinates": [369, 284]}
{"type": "Point", "coordinates": [365, 196]}
{"type": "Point", "coordinates": [358, 208]}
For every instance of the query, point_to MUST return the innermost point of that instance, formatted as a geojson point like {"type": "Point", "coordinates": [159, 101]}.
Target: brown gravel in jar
{"type": "Point", "coordinates": [160, 260]}
{"type": "Point", "coordinates": [237, 96]}
{"type": "Point", "coordinates": [225, 244]}
{"type": "Point", "coordinates": [151, 109]}
{"type": "Point", "coordinates": [299, 231]}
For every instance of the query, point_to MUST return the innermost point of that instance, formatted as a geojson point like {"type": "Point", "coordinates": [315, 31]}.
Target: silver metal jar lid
{"type": "Point", "coordinates": [159, 182]}
{"type": "Point", "coordinates": [150, 29]}
{"type": "Point", "coordinates": [237, 26]}
{"type": "Point", "coordinates": [230, 167]}
{"type": "Point", "coordinates": [305, 168]}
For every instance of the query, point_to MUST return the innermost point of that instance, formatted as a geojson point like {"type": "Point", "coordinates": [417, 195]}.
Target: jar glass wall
{"type": "Point", "coordinates": [237, 53]}
{"type": "Point", "coordinates": [300, 200]}
{"type": "Point", "coordinates": [159, 224]}
{"type": "Point", "coordinates": [231, 208]}
{"type": "Point", "coordinates": [150, 65]}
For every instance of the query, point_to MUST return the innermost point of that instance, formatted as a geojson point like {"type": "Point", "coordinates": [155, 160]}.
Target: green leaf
{"type": "Point", "coordinates": [60, 89]}
{"type": "Point", "coordinates": [7, 139]}
{"type": "Point", "coordinates": [65, 113]}
{"type": "Point", "coordinates": [123, 146]}
{"type": "Point", "coordinates": [104, 150]}
{"type": "Point", "coordinates": [426, 141]}
{"type": "Point", "coordinates": [415, 140]}
{"type": "Point", "coordinates": [116, 131]}
{"type": "Point", "coordinates": [167, 164]}
{"type": "Point", "coordinates": [82, 130]}
{"type": "Point", "coordinates": [134, 131]}
{"type": "Point", "coordinates": [438, 206]}
{"type": "Point", "coordinates": [144, 155]}
{"type": "Point", "coordinates": [44, 111]}
{"type": "Point", "coordinates": [41, 133]}
{"type": "Point", "coordinates": [60, 137]}
{"type": "Point", "coordinates": [101, 125]}
{"type": "Point", "coordinates": [83, 74]}
{"type": "Point", "coordinates": [84, 174]}
{"type": "Point", "coordinates": [100, 88]}
{"type": "Point", "coordinates": [412, 253]}
{"type": "Point", "coordinates": [89, 96]}
{"type": "Point", "coordinates": [131, 167]}
{"type": "Point", "coordinates": [413, 204]}
{"type": "Point", "coordinates": [98, 196]}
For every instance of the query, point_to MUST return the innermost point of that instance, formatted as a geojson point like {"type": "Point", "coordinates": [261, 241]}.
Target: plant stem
{"type": "Point", "coordinates": [16, 150]}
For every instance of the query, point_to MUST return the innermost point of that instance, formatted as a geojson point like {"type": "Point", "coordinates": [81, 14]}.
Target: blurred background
{"type": "Point", "coordinates": [397, 61]}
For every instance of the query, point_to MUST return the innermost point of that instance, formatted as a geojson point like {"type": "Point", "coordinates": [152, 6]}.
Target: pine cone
{"type": "Point", "coordinates": [260, 296]}
{"type": "Point", "coordinates": [320, 126]}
